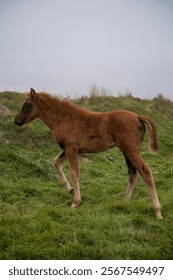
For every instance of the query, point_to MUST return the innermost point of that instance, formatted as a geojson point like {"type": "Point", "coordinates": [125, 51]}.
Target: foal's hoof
{"type": "Point", "coordinates": [75, 204]}
{"type": "Point", "coordinates": [126, 200]}
{"type": "Point", "coordinates": [160, 217]}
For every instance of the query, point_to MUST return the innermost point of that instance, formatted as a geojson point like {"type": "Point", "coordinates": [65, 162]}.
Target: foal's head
{"type": "Point", "coordinates": [29, 111]}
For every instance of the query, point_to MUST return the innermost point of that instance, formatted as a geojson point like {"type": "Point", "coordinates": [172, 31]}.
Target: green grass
{"type": "Point", "coordinates": [35, 220]}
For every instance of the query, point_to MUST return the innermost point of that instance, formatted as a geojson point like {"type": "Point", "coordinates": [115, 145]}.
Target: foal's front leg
{"type": "Point", "coordinates": [73, 159]}
{"type": "Point", "coordinates": [58, 160]}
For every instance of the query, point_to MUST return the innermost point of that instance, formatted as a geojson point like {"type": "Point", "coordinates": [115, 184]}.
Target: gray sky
{"type": "Point", "coordinates": [66, 46]}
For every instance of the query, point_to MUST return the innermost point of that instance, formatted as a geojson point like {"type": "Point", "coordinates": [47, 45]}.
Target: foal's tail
{"type": "Point", "coordinates": [153, 141]}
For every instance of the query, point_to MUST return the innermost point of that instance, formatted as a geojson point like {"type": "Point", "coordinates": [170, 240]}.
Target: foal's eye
{"type": "Point", "coordinates": [27, 107]}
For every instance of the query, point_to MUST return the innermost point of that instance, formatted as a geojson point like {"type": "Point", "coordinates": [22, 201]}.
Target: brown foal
{"type": "Point", "coordinates": [80, 131]}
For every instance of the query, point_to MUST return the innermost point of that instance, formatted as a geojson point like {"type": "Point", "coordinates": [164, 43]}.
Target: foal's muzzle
{"type": "Point", "coordinates": [18, 122]}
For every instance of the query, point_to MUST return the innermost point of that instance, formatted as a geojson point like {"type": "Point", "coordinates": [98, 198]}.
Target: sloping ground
{"type": "Point", "coordinates": [35, 220]}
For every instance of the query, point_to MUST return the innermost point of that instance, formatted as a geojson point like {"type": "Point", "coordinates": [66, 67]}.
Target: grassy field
{"type": "Point", "coordinates": [35, 220]}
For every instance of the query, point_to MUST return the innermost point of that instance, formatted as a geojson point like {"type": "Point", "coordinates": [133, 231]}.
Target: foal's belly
{"type": "Point", "coordinates": [95, 144]}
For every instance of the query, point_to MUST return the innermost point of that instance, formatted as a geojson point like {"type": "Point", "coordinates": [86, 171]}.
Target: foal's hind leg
{"type": "Point", "coordinates": [146, 174]}
{"type": "Point", "coordinates": [58, 160]}
{"type": "Point", "coordinates": [132, 180]}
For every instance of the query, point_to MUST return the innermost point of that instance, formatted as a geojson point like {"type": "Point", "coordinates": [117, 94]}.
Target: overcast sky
{"type": "Point", "coordinates": [66, 46]}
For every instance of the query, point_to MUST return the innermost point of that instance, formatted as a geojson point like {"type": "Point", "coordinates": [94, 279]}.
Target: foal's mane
{"type": "Point", "coordinates": [55, 101]}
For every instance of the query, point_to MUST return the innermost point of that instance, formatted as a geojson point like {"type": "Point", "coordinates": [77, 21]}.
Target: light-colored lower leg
{"type": "Point", "coordinates": [148, 178]}
{"type": "Point", "coordinates": [77, 196]}
{"type": "Point", "coordinates": [129, 193]}
{"type": "Point", "coordinates": [146, 175]}
{"type": "Point", "coordinates": [155, 202]}
{"type": "Point", "coordinates": [73, 159]}
{"type": "Point", "coordinates": [57, 162]}
{"type": "Point", "coordinates": [131, 185]}
{"type": "Point", "coordinates": [76, 186]}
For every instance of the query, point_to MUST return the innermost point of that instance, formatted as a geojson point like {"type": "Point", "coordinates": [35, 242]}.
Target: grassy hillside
{"type": "Point", "coordinates": [35, 220]}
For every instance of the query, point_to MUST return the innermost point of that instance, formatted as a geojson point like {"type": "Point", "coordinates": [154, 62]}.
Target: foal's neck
{"type": "Point", "coordinates": [52, 111]}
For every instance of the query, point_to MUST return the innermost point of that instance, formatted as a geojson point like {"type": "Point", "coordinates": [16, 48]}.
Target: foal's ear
{"type": "Point", "coordinates": [32, 93]}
